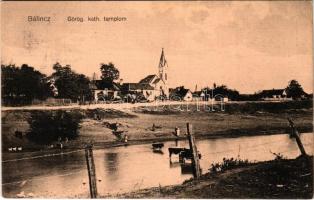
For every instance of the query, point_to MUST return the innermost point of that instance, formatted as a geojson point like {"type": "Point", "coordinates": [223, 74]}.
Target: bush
{"type": "Point", "coordinates": [228, 163]}
{"type": "Point", "coordinates": [47, 127]}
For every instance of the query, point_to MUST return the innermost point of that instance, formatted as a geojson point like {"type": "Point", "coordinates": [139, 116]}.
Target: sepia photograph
{"type": "Point", "coordinates": [157, 99]}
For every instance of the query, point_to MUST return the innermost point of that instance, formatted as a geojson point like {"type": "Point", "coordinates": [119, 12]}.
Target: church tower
{"type": "Point", "coordinates": [162, 68]}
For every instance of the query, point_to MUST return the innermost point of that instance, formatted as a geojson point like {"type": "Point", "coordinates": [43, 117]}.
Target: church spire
{"type": "Point", "coordinates": [162, 66]}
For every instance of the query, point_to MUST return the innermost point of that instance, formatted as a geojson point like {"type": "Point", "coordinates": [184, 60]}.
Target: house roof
{"type": "Point", "coordinates": [180, 92]}
{"type": "Point", "coordinates": [102, 85]}
{"type": "Point", "coordinates": [271, 93]}
{"type": "Point", "coordinates": [136, 86]}
{"type": "Point", "coordinates": [197, 93]}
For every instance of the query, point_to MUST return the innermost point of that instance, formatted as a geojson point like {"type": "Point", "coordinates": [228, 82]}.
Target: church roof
{"type": "Point", "coordinates": [148, 79]}
{"type": "Point", "coordinates": [136, 86]}
{"type": "Point", "coordinates": [156, 81]}
{"type": "Point", "coordinates": [179, 92]}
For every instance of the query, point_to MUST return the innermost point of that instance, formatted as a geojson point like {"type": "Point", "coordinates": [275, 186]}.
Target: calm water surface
{"type": "Point", "coordinates": [124, 169]}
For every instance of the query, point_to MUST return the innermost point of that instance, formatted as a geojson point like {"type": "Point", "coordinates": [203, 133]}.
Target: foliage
{"type": "Point", "coordinates": [249, 97]}
{"type": "Point", "coordinates": [109, 72]}
{"type": "Point", "coordinates": [228, 163]}
{"type": "Point", "coordinates": [47, 127]}
{"type": "Point", "coordinates": [294, 90]}
{"type": "Point", "coordinates": [70, 84]}
{"type": "Point", "coordinates": [23, 84]}
{"type": "Point", "coordinates": [222, 90]}
{"type": "Point", "coordinates": [279, 156]}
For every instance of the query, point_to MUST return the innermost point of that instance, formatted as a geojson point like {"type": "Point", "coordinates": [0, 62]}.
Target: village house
{"type": "Point", "coordinates": [103, 91]}
{"type": "Point", "coordinates": [181, 94]}
{"type": "Point", "coordinates": [274, 95]}
{"type": "Point", "coordinates": [208, 96]}
{"type": "Point", "coordinates": [152, 86]}
{"type": "Point", "coordinates": [138, 90]}
{"type": "Point", "coordinates": [221, 98]}
{"type": "Point", "coordinates": [199, 96]}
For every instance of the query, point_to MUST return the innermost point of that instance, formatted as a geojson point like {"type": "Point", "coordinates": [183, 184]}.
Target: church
{"type": "Point", "coordinates": [152, 86]}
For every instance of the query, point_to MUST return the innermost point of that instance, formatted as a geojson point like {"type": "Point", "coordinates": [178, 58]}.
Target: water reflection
{"type": "Point", "coordinates": [186, 168]}
{"type": "Point", "coordinates": [176, 142]}
{"type": "Point", "coordinates": [111, 160]}
{"type": "Point", "coordinates": [158, 151]}
{"type": "Point", "coordinates": [173, 164]}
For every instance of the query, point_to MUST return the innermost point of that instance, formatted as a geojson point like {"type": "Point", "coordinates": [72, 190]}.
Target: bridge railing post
{"type": "Point", "coordinates": [297, 137]}
{"type": "Point", "coordinates": [91, 171]}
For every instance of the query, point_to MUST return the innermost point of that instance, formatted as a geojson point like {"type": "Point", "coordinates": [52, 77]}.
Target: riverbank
{"type": "Point", "coordinates": [244, 119]}
{"type": "Point", "coordinates": [280, 178]}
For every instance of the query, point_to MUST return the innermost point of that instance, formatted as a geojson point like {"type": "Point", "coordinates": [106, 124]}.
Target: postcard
{"type": "Point", "coordinates": [157, 99]}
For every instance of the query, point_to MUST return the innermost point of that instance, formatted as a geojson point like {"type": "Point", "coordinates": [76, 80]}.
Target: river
{"type": "Point", "coordinates": [125, 169]}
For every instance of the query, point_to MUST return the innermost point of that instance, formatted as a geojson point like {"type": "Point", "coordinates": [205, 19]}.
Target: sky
{"type": "Point", "coordinates": [248, 46]}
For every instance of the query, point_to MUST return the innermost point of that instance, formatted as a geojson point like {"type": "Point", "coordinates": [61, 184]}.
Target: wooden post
{"type": "Point", "coordinates": [193, 149]}
{"type": "Point", "coordinates": [91, 171]}
{"type": "Point", "coordinates": [297, 137]}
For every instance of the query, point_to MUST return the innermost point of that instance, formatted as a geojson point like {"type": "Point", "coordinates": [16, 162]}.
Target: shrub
{"type": "Point", "coordinates": [228, 163]}
{"type": "Point", "coordinates": [47, 127]}
{"type": "Point", "coordinates": [279, 156]}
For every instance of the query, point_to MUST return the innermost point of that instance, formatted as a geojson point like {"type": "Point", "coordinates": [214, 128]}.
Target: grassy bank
{"type": "Point", "coordinates": [281, 178]}
{"type": "Point", "coordinates": [238, 119]}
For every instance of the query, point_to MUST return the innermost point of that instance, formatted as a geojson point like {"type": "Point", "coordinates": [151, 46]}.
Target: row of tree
{"type": "Point", "coordinates": [21, 85]}
{"type": "Point", "coordinates": [294, 90]}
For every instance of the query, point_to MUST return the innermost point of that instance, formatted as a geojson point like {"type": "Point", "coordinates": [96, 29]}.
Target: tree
{"type": "Point", "coordinates": [109, 72]}
{"type": "Point", "coordinates": [294, 90]}
{"type": "Point", "coordinates": [222, 90]}
{"type": "Point", "coordinates": [20, 85]}
{"type": "Point", "coordinates": [70, 84]}
{"type": "Point", "coordinates": [47, 127]}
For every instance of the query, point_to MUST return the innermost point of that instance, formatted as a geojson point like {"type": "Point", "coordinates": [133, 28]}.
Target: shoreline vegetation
{"type": "Point", "coordinates": [278, 178]}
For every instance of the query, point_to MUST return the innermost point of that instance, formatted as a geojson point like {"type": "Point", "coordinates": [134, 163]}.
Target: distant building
{"type": "Point", "coordinates": [138, 89]}
{"type": "Point", "coordinates": [105, 91]}
{"type": "Point", "coordinates": [152, 86]}
{"type": "Point", "coordinates": [274, 95]}
{"type": "Point", "coordinates": [181, 94]}
{"type": "Point", "coordinates": [199, 96]}
{"type": "Point", "coordinates": [221, 98]}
